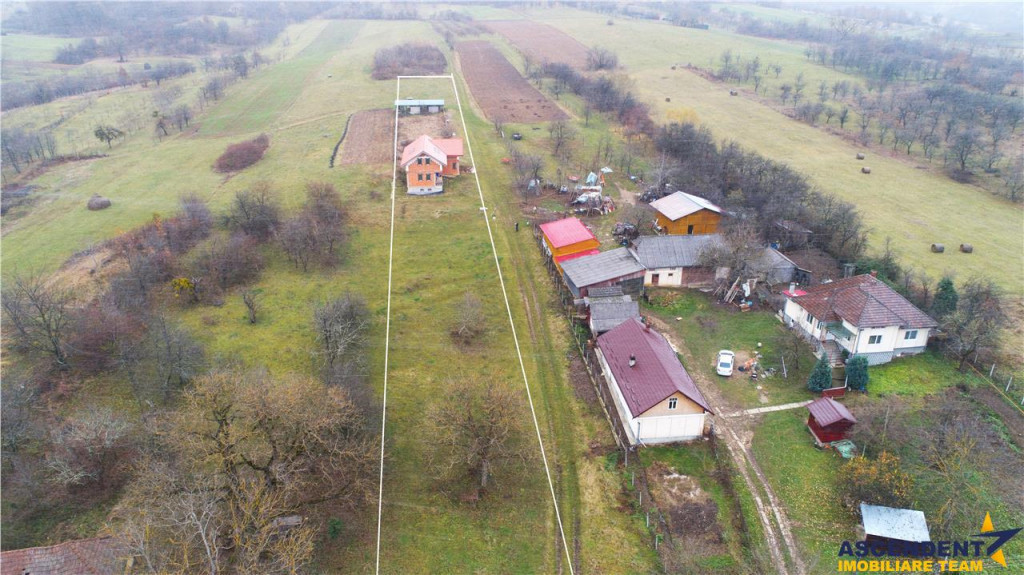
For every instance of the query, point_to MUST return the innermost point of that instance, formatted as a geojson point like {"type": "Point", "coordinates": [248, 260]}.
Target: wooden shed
{"type": "Point", "coordinates": [684, 214]}
{"type": "Point", "coordinates": [829, 420]}
{"type": "Point", "coordinates": [567, 239]}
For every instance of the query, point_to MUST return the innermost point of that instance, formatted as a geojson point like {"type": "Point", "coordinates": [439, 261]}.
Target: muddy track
{"type": "Point", "coordinates": [738, 433]}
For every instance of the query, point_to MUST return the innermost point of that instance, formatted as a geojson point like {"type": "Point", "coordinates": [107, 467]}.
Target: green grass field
{"type": "Point", "coordinates": [31, 48]}
{"type": "Point", "coordinates": [915, 207]}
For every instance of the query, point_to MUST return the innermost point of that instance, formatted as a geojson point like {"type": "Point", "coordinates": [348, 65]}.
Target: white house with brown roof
{"type": "Point", "coordinates": [861, 315]}
{"type": "Point", "coordinates": [656, 400]}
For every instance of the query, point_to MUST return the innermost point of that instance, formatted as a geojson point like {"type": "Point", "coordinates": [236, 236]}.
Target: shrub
{"type": "Point", "coordinates": [407, 60]}
{"type": "Point", "coordinates": [255, 212]}
{"type": "Point", "coordinates": [242, 155]}
{"type": "Point", "coordinates": [235, 262]}
{"type": "Point", "coordinates": [878, 481]}
{"type": "Point", "coordinates": [821, 376]}
{"type": "Point", "coordinates": [857, 373]}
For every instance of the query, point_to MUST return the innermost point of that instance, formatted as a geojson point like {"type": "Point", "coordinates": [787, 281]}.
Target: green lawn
{"type": "Point", "coordinates": [918, 375]}
{"type": "Point", "coordinates": [915, 207]}
{"type": "Point", "coordinates": [707, 326]}
{"type": "Point", "coordinates": [32, 48]}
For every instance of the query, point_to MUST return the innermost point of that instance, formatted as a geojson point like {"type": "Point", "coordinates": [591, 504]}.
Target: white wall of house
{"type": "Point", "coordinates": [648, 428]}
{"type": "Point", "coordinates": [811, 325]}
{"type": "Point", "coordinates": [666, 277]}
{"type": "Point", "coordinates": [885, 336]}
{"type": "Point", "coordinates": [919, 338]}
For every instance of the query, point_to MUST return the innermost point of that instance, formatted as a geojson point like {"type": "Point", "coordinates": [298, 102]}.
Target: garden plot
{"type": "Point", "coordinates": [498, 88]}
{"type": "Point", "coordinates": [541, 42]}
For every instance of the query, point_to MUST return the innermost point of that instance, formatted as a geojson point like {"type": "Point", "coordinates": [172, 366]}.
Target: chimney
{"type": "Point", "coordinates": [874, 273]}
{"type": "Point", "coordinates": [792, 288]}
{"type": "Point", "coordinates": [632, 360]}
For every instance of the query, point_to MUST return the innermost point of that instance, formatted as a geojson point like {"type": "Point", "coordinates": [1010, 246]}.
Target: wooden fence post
{"type": "Point", "coordinates": [992, 370]}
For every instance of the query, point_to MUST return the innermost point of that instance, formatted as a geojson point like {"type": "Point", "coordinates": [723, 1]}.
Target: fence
{"type": "Point", "coordinates": [634, 475]}
{"type": "Point", "coordinates": [1006, 381]}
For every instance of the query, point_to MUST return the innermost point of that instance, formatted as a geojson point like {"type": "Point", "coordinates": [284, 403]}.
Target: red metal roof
{"type": "Point", "coordinates": [423, 145]}
{"type": "Point", "coordinates": [827, 411]}
{"type": "Point", "coordinates": [566, 232]}
{"type": "Point", "coordinates": [450, 146]}
{"type": "Point", "coordinates": [97, 556]}
{"type": "Point", "coordinates": [864, 301]}
{"type": "Point", "coordinates": [568, 257]}
{"type": "Point", "coordinates": [657, 373]}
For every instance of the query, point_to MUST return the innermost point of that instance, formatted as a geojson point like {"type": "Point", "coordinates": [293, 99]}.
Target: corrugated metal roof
{"type": "Point", "coordinates": [423, 145]}
{"type": "Point", "coordinates": [864, 301]}
{"type": "Point", "coordinates": [413, 102]}
{"type": "Point", "coordinates": [827, 411]}
{"type": "Point", "coordinates": [601, 267]}
{"type": "Point", "coordinates": [568, 257]}
{"type": "Point", "coordinates": [561, 233]}
{"type": "Point", "coordinates": [681, 204]}
{"type": "Point", "coordinates": [657, 373]}
{"type": "Point", "coordinates": [655, 252]}
{"type": "Point", "coordinates": [892, 523]}
{"type": "Point", "coordinates": [96, 556]}
{"type": "Point", "coordinates": [607, 313]}
{"type": "Point", "coordinates": [605, 291]}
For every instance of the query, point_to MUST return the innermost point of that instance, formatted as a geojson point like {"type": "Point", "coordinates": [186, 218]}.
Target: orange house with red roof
{"type": "Point", "coordinates": [427, 162]}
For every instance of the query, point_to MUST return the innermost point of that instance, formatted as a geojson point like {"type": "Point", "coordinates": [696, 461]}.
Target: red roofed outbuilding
{"type": "Point", "coordinates": [656, 400]}
{"type": "Point", "coordinates": [96, 556]}
{"type": "Point", "coordinates": [829, 420]}
{"type": "Point", "coordinates": [568, 237]}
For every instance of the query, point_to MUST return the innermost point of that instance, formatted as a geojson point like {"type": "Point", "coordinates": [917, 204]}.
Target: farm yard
{"type": "Point", "coordinates": [542, 42]}
{"type": "Point", "coordinates": [369, 138]}
{"type": "Point", "coordinates": [457, 327]}
{"type": "Point", "coordinates": [498, 88]}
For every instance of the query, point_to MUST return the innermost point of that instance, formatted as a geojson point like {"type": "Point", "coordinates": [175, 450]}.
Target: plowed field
{"type": "Point", "coordinates": [369, 138]}
{"type": "Point", "coordinates": [498, 88]}
{"type": "Point", "coordinates": [542, 42]}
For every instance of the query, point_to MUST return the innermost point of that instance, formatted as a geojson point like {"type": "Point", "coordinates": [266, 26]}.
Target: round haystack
{"type": "Point", "coordinates": [734, 93]}
{"type": "Point", "coordinates": [938, 248]}
{"type": "Point", "coordinates": [865, 170]}
{"type": "Point", "coordinates": [860, 156]}
{"type": "Point", "coordinates": [967, 248]}
{"type": "Point", "coordinates": [98, 202]}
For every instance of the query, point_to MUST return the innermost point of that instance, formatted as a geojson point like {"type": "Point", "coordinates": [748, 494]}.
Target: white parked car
{"type": "Point", "coordinates": [726, 361]}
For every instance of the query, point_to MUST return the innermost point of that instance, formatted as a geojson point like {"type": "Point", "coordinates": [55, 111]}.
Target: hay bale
{"type": "Point", "coordinates": [860, 156]}
{"type": "Point", "coordinates": [938, 248]}
{"type": "Point", "coordinates": [865, 170]}
{"type": "Point", "coordinates": [733, 93]}
{"type": "Point", "coordinates": [967, 248]}
{"type": "Point", "coordinates": [98, 202]}
{"type": "Point", "coordinates": [668, 99]}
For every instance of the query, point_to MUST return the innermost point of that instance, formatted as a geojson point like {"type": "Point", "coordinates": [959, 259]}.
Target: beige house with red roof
{"type": "Point", "coordinates": [654, 396]}
{"type": "Point", "coordinates": [860, 315]}
{"type": "Point", "coordinates": [428, 161]}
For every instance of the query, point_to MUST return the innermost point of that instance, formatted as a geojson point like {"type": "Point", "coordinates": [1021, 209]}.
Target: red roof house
{"type": "Point", "coordinates": [427, 162]}
{"type": "Point", "coordinates": [861, 315]}
{"type": "Point", "coordinates": [568, 237]}
{"type": "Point", "coordinates": [96, 556]}
{"type": "Point", "coordinates": [829, 420]}
{"type": "Point", "coordinates": [656, 400]}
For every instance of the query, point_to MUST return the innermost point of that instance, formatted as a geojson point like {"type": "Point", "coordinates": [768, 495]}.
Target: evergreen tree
{"type": "Point", "coordinates": [946, 298]}
{"type": "Point", "coordinates": [857, 373]}
{"type": "Point", "coordinates": [821, 376]}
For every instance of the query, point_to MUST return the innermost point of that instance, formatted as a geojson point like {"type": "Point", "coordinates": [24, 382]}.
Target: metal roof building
{"type": "Point", "coordinates": [608, 313]}
{"type": "Point", "coordinates": [656, 252]}
{"type": "Point", "coordinates": [681, 204]}
{"type": "Point", "coordinates": [896, 524]}
{"type": "Point", "coordinates": [614, 267]}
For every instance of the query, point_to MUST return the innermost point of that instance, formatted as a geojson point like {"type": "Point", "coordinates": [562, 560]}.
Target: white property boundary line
{"type": "Point", "coordinates": [508, 308]}
{"type": "Point", "coordinates": [387, 328]}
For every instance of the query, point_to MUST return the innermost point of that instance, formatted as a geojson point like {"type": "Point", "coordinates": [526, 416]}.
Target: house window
{"type": "Point", "coordinates": [912, 334]}
{"type": "Point", "coordinates": [810, 319]}
{"type": "Point", "coordinates": [419, 177]}
{"type": "Point", "coordinates": [689, 230]}
{"type": "Point", "coordinates": [875, 339]}
{"type": "Point", "coordinates": [819, 324]}
{"type": "Point", "coordinates": [419, 161]}
{"type": "Point", "coordinates": [426, 161]}
{"type": "Point", "coordinates": [672, 402]}
{"type": "Point", "coordinates": [455, 165]}
{"type": "Point", "coordinates": [428, 177]}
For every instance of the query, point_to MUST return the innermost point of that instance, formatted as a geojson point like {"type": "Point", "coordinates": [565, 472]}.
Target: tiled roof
{"type": "Point", "coordinates": [423, 145]}
{"type": "Point", "coordinates": [657, 373]}
{"type": "Point", "coordinates": [827, 411]}
{"type": "Point", "coordinates": [561, 233]}
{"type": "Point", "coordinates": [450, 146]}
{"type": "Point", "coordinates": [892, 523]}
{"type": "Point", "coordinates": [607, 313]}
{"type": "Point", "coordinates": [656, 252]}
{"type": "Point", "coordinates": [864, 301]}
{"type": "Point", "coordinates": [601, 267]}
{"type": "Point", "coordinates": [681, 204]}
{"type": "Point", "coordinates": [97, 556]}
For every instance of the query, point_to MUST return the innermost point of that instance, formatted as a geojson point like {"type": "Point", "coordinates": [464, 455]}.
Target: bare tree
{"type": "Point", "coordinates": [601, 59]}
{"type": "Point", "coordinates": [470, 322]}
{"type": "Point", "coordinates": [85, 446]}
{"type": "Point", "coordinates": [255, 211]}
{"type": "Point", "coordinates": [476, 430]}
{"type": "Point", "coordinates": [299, 240]}
{"type": "Point", "coordinates": [39, 316]}
{"type": "Point", "coordinates": [340, 326]}
{"type": "Point", "coordinates": [977, 321]}
{"type": "Point", "coordinates": [561, 134]}
{"type": "Point", "coordinates": [251, 299]}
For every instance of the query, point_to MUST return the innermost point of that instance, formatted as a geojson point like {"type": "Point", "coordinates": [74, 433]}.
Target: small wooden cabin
{"type": "Point", "coordinates": [684, 214]}
{"type": "Point", "coordinates": [568, 239]}
{"type": "Point", "coordinates": [829, 420]}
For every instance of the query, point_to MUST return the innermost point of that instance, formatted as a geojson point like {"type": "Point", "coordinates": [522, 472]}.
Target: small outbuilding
{"type": "Point", "coordinates": [676, 260]}
{"type": "Point", "coordinates": [412, 107]}
{"type": "Point", "coordinates": [568, 239]}
{"type": "Point", "coordinates": [685, 214]}
{"type": "Point", "coordinates": [883, 525]}
{"type": "Point", "coordinates": [611, 268]}
{"type": "Point", "coordinates": [829, 420]}
{"type": "Point", "coordinates": [609, 312]}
